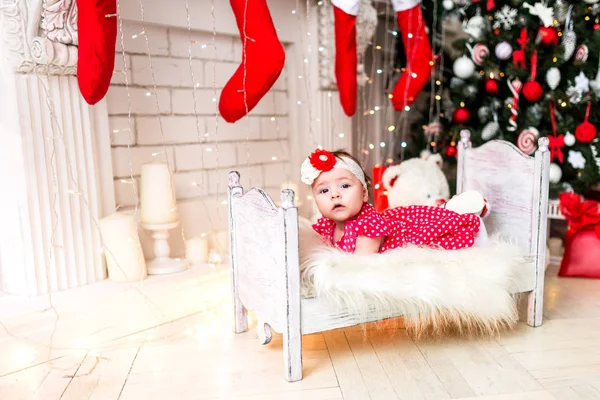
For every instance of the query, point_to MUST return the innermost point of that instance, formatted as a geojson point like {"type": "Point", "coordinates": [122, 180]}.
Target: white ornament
{"type": "Point", "coordinates": [590, 1]}
{"type": "Point", "coordinates": [506, 16]}
{"type": "Point", "coordinates": [569, 139]}
{"type": "Point", "coordinates": [448, 5]}
{"type": "Point", "coordinates": [582, 53]}
{"type": "Point", "coordinates": [576, 159]}
{"type": "Point", "coordinates": [555, 173]}
{"type": "Point", "coordinates": [582, 83]}
{"type": "Point", "coordinates": [503, 50]}
{"type": "Point", "coordinates": [545, 13]}
{"type": "Point", "coordinates": [490, 130]}
{"type": "Point", "coordinates": [553, 77]}
{"type": "Point", "coordinates": [463, 67]}
{"type": "Point", "coordinates": [475, 27]}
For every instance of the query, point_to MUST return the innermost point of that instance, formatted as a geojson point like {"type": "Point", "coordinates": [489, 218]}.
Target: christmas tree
{"type": "Point", "coordinates": [526, 71]}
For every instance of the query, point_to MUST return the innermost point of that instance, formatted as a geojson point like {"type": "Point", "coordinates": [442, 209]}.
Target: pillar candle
{"type": "Point", "coordinates": [157, 196]}
{"type": "Point", "coordinates": [196, 250]}
{"type": "Point", "coordinates": [122, 249]}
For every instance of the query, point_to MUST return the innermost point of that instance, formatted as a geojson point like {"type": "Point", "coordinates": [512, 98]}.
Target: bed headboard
{"type": "Point", "coordinates": [515, 184]}
{"type": "Point", "coordinates": [264, 251]}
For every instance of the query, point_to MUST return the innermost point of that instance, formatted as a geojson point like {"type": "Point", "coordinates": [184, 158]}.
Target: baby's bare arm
{"type": "Point", "coordinates": [367, 245]}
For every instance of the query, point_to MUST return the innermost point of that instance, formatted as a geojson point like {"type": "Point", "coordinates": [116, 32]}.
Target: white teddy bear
{"type": "Point", "coordinates": [417, 181]}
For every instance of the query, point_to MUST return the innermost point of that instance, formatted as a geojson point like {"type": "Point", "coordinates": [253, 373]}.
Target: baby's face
{"type": "Point", "coordinates": [339, 194]}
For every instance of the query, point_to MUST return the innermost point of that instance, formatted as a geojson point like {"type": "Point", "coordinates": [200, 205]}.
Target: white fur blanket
{"type": "Point", "coordinates": [469, 291]}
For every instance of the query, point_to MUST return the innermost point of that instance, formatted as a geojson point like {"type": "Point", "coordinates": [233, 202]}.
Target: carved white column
{"type": "Point", "coordinates": [55, 163]}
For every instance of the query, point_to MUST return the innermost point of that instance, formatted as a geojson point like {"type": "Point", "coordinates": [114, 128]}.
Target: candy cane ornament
{"type": "Point", "coordinates": [515, 87]}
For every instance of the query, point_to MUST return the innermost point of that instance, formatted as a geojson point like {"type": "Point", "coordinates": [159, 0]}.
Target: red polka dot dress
{"type": "Point", "coordinates": [415, 225]}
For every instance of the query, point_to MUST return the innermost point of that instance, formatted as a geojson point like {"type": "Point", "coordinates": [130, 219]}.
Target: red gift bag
{"type": "Point", "coordinates": [582, 240]}
{"type": "Point", "coordinates": [379, 193]}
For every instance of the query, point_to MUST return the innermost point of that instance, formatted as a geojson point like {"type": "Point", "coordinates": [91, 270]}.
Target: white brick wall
{"type": "Point", "coordinates": [257, 146]}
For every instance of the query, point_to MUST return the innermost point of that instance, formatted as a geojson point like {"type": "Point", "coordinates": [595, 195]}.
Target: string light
{"type": "Point", "coordinates": [376, 108]}
{"type": "Point", "coordinates": [274, 158]}
{"type": "Point", "coordinates": [391, 128]}
{"type": "Point", "coordinates": [379, 71]}
{"type": "Point", "coordinates": [371, 146]}
{"type": "Point", "coordinates": [406, 108]}
{"type": "Point", "coordinates": [403, 144]}
{"type": "Point", "coordinates": [341, 135]}
{"type": "Point", "coordinates": [382, 144]}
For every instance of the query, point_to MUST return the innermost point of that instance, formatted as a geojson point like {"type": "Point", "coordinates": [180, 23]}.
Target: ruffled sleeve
{"type": "Point", "coordinates": [370, 223]}
{"type": "Point", "coordinates": [324, 227]}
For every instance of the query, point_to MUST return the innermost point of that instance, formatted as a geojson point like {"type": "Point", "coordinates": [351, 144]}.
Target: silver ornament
{"type": "Point", "coordinates": [471, 91]}
{"type": "Point", "coordinates": [496, 104]}
{"type": "Point", "coordinates": [490, 130]}
{"type": "Point", "coordinates": [569, 41]}
{"type": "Point", "coordinates": [484, 114]}
{"type": "Point", "coordinates": [456, 82]}
{"type": "Point", "coordinates": [475, 27]}
{"type": "Point", "coordinates": [534, 114]}
{"type": "Point", "coordinates": [553, 77]}
{"type": "Point", "coordinates": [561, 9]}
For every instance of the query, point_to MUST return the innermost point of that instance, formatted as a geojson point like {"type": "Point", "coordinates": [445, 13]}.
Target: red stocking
{"type": "Point", "coordinates": [418, 53]}
{"type": "Point", "coordinates": [262, 60]}
{"type": "Point", "coordinates": [97, 28]}
{"type": "Point", "coordinates": [345, 55]}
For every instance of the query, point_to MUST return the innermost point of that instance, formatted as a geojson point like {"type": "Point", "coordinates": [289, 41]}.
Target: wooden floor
{"type": "Point", "coordinates": [197, 357]}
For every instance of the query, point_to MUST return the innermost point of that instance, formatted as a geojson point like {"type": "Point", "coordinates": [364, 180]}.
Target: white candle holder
{"type": "Point", "coordinates": [162, 263]}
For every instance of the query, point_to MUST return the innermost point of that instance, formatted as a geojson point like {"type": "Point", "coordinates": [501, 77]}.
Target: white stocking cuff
{"type": "Point", "coordinates": [403, 5]}
{"type": "Point", "coordinates": [348, 6]}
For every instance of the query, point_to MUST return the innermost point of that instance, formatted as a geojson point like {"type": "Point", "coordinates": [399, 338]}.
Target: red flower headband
{"type": "Point", "coordinates": [322, 160]}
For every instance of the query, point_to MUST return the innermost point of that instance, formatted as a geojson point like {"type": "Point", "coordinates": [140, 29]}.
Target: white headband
{"type": "Point", "coordinates": [321, 161]}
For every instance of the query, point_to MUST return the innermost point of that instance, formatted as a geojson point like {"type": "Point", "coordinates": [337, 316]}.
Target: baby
{"type": "Point", "coordinates": [340, 188]}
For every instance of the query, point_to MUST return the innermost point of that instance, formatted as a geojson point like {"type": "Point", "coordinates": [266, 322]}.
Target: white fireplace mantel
{"type": "Point", "coordinates": [56, 174]}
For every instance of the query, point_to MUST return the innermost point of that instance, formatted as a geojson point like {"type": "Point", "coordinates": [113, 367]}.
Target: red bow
{"type": "Point", "coordinates": [580, 215]}
{"type": "Point", "coordinates": [556, 145]}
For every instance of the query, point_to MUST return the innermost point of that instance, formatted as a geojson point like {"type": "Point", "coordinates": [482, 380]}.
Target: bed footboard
{"type": "Point", "coordinates": [265, 266]}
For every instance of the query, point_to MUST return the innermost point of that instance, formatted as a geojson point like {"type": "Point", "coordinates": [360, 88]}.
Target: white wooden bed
{"type": "Point", "coordinates": [264, 245]}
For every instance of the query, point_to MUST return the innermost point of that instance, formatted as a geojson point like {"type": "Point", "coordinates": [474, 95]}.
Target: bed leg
{"type": "Point", "coordinates": [535, 300]}
{"type": "Point", "coordinates": [292, 355]}
{"type": "Point", "coordinates": [241, 316]}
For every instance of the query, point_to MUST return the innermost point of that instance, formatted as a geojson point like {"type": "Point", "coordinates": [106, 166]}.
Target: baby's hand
{"type": "Point", "coordinates": [367, 245]}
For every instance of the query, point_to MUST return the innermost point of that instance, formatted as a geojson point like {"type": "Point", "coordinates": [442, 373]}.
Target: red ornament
{"type": "Point", "coordinates": [548, 35]}
{"type": "Point", "coordinates": [596, 26]}
{"type": "Point", "coordinates": [451, 151]}
{"type": "Point", "coordinates": [496, 31]}
{"type": "Point", "coordinates": [532, 91]}
{"type": "Point", "coordinates": [492, 86]}
{"type": "Point", "coordinates": [461, 116]}
{"type": "Point", "coordinates": [322, 160]}
{"type": "Point", "coordinates": [585, 132]}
